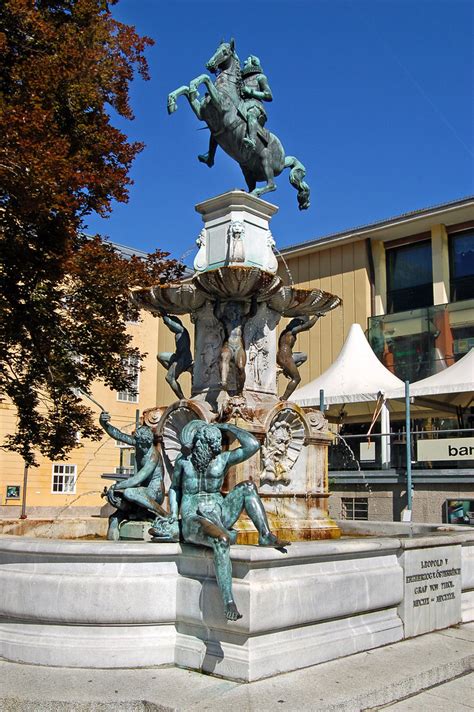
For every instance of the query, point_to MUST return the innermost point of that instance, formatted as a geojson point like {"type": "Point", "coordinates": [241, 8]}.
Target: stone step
{"type": "Point", "coordinates": [361, 682]}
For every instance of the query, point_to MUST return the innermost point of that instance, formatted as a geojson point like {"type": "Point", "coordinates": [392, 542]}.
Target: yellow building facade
{"type": "Point", "coordinates": [53, 487]}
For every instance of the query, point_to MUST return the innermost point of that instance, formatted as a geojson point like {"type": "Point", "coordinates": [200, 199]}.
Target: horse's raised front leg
{"type": "Point", "coordinates": [192, 96]}
{"type": "Point", "coordinates": [172, 106]}
{"type": "Point", "coordinates": [205, 79]}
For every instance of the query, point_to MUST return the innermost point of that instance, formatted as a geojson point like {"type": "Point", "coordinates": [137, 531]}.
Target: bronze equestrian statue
{"type": "Point", "coordinates": [233, 111]}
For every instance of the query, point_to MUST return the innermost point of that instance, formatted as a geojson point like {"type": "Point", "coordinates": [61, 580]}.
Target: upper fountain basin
{"type": "Point", "coordinates": [290, 301]}
{"type": "Point", "coordinates": [234, 283]}
{"type": "Point", "coordinates": [238, 283]}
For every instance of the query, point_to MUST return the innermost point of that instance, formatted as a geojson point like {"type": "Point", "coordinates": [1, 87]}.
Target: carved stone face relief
{"type": "Point", "coordinates": [282, 446]}
{"type": "Point", "coordinates": [235, 235]}
{"type": "Point", "coordinates": [152, 416]}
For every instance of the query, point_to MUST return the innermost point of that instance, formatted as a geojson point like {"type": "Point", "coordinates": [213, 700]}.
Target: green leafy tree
{"type": "Point", "coordinates": [63, 296]}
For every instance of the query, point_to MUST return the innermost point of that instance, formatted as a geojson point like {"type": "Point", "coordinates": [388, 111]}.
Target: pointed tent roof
{"type": "Point", "coordinates": [456, 379]}
{"type": "Point", "coordinates": [355, 376]}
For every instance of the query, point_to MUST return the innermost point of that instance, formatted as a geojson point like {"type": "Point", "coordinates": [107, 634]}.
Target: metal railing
{"type": "Point", "coordinates": [356, 452]}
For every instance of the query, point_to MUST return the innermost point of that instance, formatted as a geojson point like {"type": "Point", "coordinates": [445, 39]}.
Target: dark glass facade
{"type": "Point", "coordinates": [409, 277]}
{"type": "Point", "coordinates": [461, 266]}
{"type": "Point", "coordinates": [415, 344]}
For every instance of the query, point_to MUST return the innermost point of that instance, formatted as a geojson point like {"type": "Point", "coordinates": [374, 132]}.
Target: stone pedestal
{"type": "Point", "coordinates": [236, 261]}
{"type": "Point", "coordinates": [318, 601]}
{"type": "Point", "coordinates": [236, 233]}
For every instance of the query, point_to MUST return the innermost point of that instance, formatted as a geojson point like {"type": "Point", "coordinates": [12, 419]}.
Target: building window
{"type": "Point", "coordinates": [409, 277]}
{"type": "Point", "coordinates": [64, 479]}
{"type": "Point", "coordinates": [124, 470]}
{"type": "Point", "coordinates": [355, 508]}
{"type": "Point", "coordinates": [13, 492]}
{"type": "Point", "coordinates": [130, 395]}
{"type": "Point", "coordinates": [461, 266]}
{"type": "Point", "coordinates": [127, 463]}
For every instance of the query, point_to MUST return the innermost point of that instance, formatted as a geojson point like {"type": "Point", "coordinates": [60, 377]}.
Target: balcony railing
{"type": "Point", "coordinates": [418, 343]}
{"type": "Point", "coordinates": [358, 453]}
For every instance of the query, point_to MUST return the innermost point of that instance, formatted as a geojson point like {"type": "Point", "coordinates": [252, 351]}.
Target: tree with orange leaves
{"type": "Point", "coordinates": [63, 296]}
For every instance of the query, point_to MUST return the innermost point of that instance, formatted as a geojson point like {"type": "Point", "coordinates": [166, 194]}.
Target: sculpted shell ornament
{"type": "Point", "coordinates": [238, 282]}
{"type": "Point", "coordinates": [290, 302]}
{"type": "Point", "coordinates": [169, 298]}
{"type": "Point", "coordinates": [281, 449]}
{"type": "Point", "coordinates": [171, 426]}
{"type": "Point", "coordinates": [234, 283]}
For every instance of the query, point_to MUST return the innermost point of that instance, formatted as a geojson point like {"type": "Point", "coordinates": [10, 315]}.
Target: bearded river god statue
{"type": "Point", "coordinates": [233, 110]}
{"type": "Point", "coordinates": [207, 516]}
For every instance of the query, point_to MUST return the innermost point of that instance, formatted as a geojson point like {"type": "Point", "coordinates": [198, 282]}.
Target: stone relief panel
{"type": "Point", "coordinates": [282, 447]}
{"type": "Point", "coordinates": [260, 342]}
{"type": "Point", "coordinates": [208, 339]}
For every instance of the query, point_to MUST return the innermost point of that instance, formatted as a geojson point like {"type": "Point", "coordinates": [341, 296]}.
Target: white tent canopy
{"type": "Point", "coordinates": [454, 385]}
{"type": "Point", "coordinates": [355, 376]}
{"type": "Point", "coordinates": [354, 382]}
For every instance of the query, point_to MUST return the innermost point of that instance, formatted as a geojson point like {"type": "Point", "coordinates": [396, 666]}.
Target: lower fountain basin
{"type": "Point", "coordinates": [101, 604]}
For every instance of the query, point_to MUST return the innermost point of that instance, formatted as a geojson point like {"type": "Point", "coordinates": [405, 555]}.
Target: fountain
{"type": "Point", "coordinates": [236, 301]}
{"type": "Point", "coordinates": [129, 602]}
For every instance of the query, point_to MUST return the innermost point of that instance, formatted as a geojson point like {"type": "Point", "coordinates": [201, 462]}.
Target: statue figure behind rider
{"type": "Point", "coordinates": [255, 90]}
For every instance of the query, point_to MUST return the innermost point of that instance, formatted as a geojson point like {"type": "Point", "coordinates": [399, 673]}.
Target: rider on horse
{"type": "Point", "coordinates": [255, 89]}
{"type": "Point", "coordinates": [233, 110]}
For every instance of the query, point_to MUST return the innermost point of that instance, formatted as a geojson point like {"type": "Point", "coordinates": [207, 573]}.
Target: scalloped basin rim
{"type": "Point", "coordinates": [234, 283]}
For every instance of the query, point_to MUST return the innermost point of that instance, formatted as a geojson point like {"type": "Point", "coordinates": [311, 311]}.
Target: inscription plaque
{"type": "Point", "coordinates": [432, 583]}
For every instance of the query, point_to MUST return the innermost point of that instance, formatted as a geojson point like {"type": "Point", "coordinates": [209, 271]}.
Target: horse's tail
{"type": "Point", "coordinates": [297, 174]}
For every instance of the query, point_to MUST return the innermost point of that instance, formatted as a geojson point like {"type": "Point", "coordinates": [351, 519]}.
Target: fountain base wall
{"type": "Point", "coordinates": [134, 604]}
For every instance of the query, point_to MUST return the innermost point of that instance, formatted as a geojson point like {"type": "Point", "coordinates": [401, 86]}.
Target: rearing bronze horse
{"type": "Point", "coordinates": [221, 109]}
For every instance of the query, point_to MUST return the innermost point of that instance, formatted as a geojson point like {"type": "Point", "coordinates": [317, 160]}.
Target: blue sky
{"type": "Point", "coordinates": [374, 97]}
